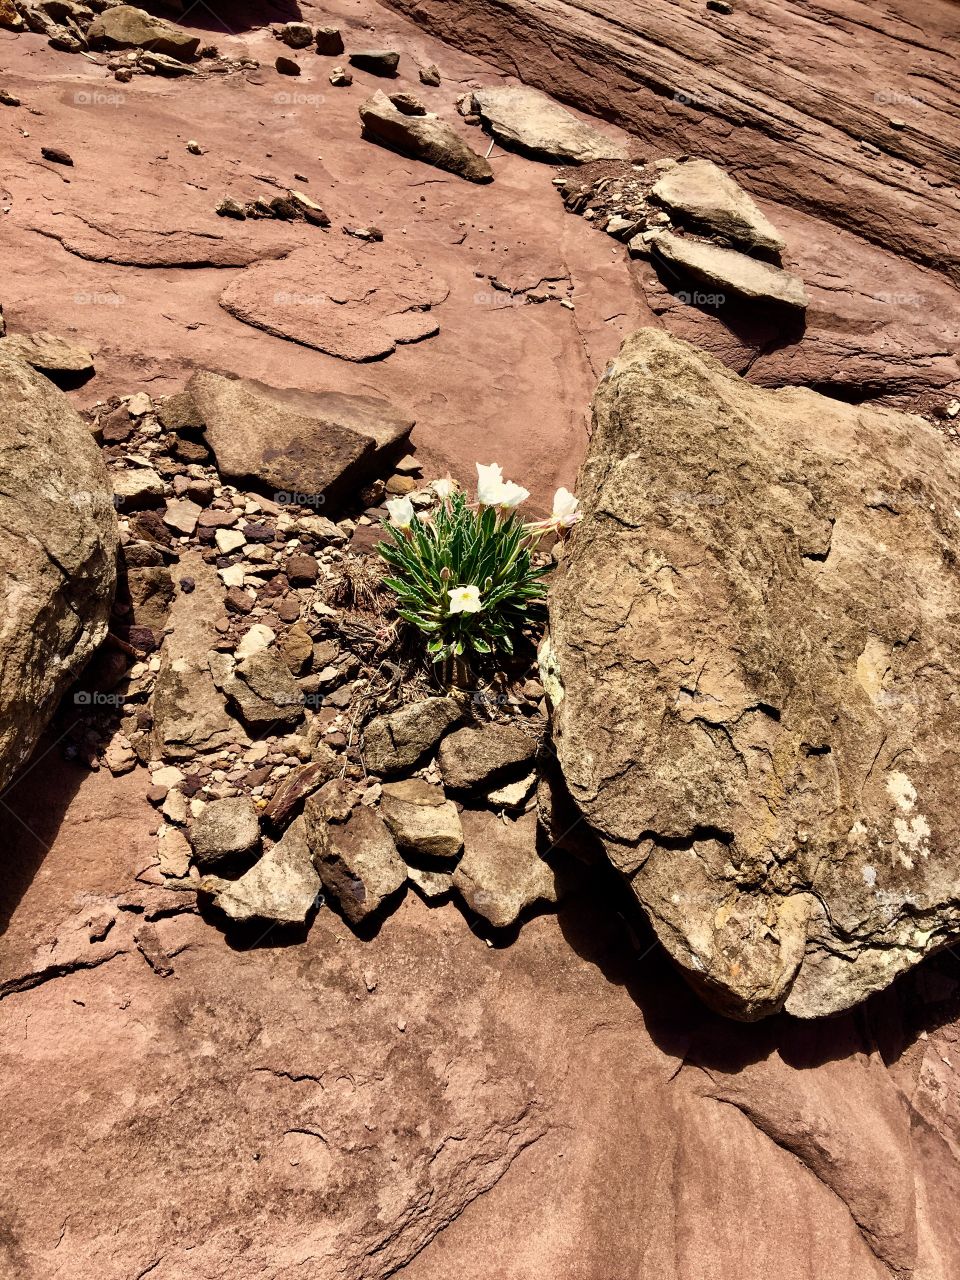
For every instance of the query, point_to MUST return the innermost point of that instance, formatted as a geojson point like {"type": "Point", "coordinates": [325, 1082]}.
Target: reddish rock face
{"type": "Point", "coordinates": [176, 1104]}
{"type": "Point", "coordinates": [828, 112]}
{"type": "Point", "coordinates": [561, 1106]}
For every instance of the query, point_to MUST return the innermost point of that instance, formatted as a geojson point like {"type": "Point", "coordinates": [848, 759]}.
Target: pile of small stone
{"type": "Point", "coordinates": [253, 670]}
{"type": "Point", "coordinates": [134, 41]}
{"type": "Point", "coordinates": [292, 206]}
{"type": "Point", "coordinates": [614, 196]}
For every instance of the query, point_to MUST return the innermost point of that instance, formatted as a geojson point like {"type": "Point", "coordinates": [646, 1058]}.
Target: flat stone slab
{"type": "Point", "coordinates": [529, 121]}
{"type": "Point", "coordinates": [700, 194]}
{"type": "Point", "coordinates": [352, 300]}
{"type": "Point", "coordinates": [296, 442]}
{"type": "Point", "coordinates": [728, 271]}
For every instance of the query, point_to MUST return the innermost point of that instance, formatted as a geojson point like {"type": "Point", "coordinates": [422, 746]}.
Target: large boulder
{"type": "Point", "coordinates": [58, 554]}
{"type": "Point", "coordinates": [754, 652]}
{"type": "Point", "coordinates": [316, 444]}
{"type": "Point", "coordinates": [126, 27]}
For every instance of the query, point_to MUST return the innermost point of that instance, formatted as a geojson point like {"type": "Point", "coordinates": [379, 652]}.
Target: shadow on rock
{"type": "Point", "coordinates": [33, 807]}
{"type": "Point", "coordinates": [605, 927]}
{"type": "Point", "coordinates": [225, 18]}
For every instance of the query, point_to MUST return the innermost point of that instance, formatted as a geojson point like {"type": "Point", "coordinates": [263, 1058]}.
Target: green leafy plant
{"type": "Point", "coordinates": [464, 573]}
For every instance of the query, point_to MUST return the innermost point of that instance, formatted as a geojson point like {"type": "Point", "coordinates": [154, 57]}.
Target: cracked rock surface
{"type": "Point", "coordinates": [757, 715]}
{"type": "Point", "coordinates": [331, 1110]}
{"type": "Point", "coordinates": [58, 541]}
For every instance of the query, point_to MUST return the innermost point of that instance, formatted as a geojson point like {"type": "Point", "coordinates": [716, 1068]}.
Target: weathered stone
{"type": "Point", "coordinates": [296, 646]}
{"type": "Point", "coordinates": [701, 195]}
{"type": "Point", "coordinates": [480, 754]}
{"type": "Point", "coordinates": [189, 714]}
{"type": "Point", "coordinates": [301, 571]}
{"type": "Point", "coordinates": [528, 120]}
{"type": "Point", "coordinates": [297, 35]}
{"type": "Point", "coordinates": [58, 540]}
{"type": "Point", "coordinates": [147, 593]}
{"type": "Point", "coordinates": [136, 487]}
{"type": "Point", "coordinates": [224, 829]}
{"type": "Point", "coordinates": [354, 854]}
{"type": "Point", "coordinates": [501, 873]}
{"type": "Point", "coordinates": [434, 885]}
{"type": "Point", "coordinates": [299, 784]}
{"type": "Point", "coordinates": [728, 270]}
{"type": "Point", "coordinates": [430, 75]}
{"type": "Point", "coordinates": [282, 886]}
{"type": "Point", "coordinates": [262, 687]}
{"type": "Point", "coordinates": [754, 634]}
{"type": "Point", "coordinates": [380, 62]}
{"type": "Point", "coordinates": [398, 740]}
{"type": "Point", "coordinates": [181, 515]}
{"type": "Point", "coordinates": [124, 27]}
{"type": "Point", "coordinates": [421, 819]}
{"type": "Point", "coordinates": [62, 361]}
{"type": "Point", "coordinates": [329, 41]}
{"type": "Point", "coordinates": [287, 66]}
{"type": "Point", "coordinates": [426, 137]}
{"type": "Point", "coordinates": [296, 442]}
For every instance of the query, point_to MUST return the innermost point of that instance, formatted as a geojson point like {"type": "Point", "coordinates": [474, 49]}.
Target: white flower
{"type": "Point", "coordinates": [401, 512]}
{"type": "Point", "coordinates": [511, 495]}
{"type": "Point", "coordinates": [565, 511]}
{"type": "Point", "coordinates": [489, 484]}
{"type": "Point", "coordinates": [444, 488]}
{"type": "Point", "coordinates": [465, 600]}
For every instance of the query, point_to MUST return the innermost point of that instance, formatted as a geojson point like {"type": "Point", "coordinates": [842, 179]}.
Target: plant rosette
{"type": "Point", "coordinates": [464, 574]}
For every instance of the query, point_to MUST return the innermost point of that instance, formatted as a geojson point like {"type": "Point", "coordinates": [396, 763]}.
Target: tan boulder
{"type": "Point", "coordinates": [755, 648]}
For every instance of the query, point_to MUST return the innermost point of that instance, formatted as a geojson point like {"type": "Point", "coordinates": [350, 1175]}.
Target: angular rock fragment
{"type": "Point", "coordinates": [62, 361]}
{"type": "Point", "coordinates": [529, 121]}
{"type": "Point", "coordinates": [398, 740]}
{"type": "Point", "coordinates": [755, 655]}
{"type": "Point", "coordinates": [58, 540]}
{"type": "Point", "coordinates": [225, 829]}
{"type": "Point", "coordinates": [501, 874]}
{"type": "Point", "coordinates": [189, 713]}
{"type": "Point", "coordinates": [380, 62]}
{"type": "Point", "coordinates": [299, 784]}
{"type": "Point", "coordinates": [315, 444]}
{"type": "Point", "coordinates": [434, 885]}
{"type": "Point", "coordinates": [296, 35]}
{"type": "Point", "coordinates": [353, 852]}
{"type": "Point", "coordinates": [728, 271]}
{"type": "Point", "coordinates": [329, 41]}
{"type": "Point", "coordinates": [476, 755]}
{"type": "Point", "coordinates": [282, 886]}
{"type": "Point", "coordinates": [421, 819]}
{"type": "Point", "coordinates": [701, 195]}
{"type": "Point", "coordinates": [261, 686]}
{"type": "Point", "coordinates": [424, 136]}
